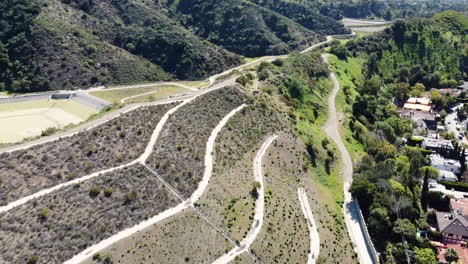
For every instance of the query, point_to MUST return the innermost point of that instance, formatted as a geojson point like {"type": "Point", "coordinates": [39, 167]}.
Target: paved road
{"type": "Point", "coordinates": [351, 216]}
{"type": "Point", "coordinates": [313, 231]}
{"type": "Point", "coordinates": [245, 244]}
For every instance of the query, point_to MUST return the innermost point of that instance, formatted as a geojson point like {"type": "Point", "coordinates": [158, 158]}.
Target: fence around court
{"type": "Point", "coordinates": [82, 98]}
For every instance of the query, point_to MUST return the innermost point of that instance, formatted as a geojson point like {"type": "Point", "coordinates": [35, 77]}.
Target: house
{"type": "Point", "coordinates": [443, 164]}
{"type": "Point", "coordinates": [459, 206]}
{"type": "Point", "coordinates": [418, 104]}
{"type": "Point", "coordinates": [453, 227]}
{"type": "Point", "coordinates": [447, 176]}
{"type": "Point", "coordinates": [441, 146]}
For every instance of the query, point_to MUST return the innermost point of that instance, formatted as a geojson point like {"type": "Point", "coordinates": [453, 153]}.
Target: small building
{"type": "Point", "coordinates": [447, 176]}
{"type": "Point", "coordinates": [418, 104]}
{"type": "Point", "coordinates": [441, 146]}
{"type": "Point", "coordinates": [453, 227]}
{"type": "Point", "coordinates": [443, 164]}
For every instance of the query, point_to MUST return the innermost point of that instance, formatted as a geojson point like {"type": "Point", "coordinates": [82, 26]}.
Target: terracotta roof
{"type": "Point", "coordinates": [459, 206]}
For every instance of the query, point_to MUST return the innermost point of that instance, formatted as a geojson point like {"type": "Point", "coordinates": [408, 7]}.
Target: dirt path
{"type": "Point", "coordinates": [314, 235]}
{"type": "Point", "coordinates": [172, 211]}
{"type": "Point", "coordinates": [149, 148]}
{"type": "Point", "coordinates": [259, 208]}
{"type": "Point", "coordinates": [350, 214]}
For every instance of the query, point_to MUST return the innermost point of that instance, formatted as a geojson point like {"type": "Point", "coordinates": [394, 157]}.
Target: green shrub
{"type": "Point", "coordinates": [130, 197]}
{"type": "Point", "coordinates": [33, 259]}
{"type": "Point", "coordinates": [94, 191]}
{"type": "Point", "coordinates": [97, 256]}
{"type": "Point", "coordinates": [457, 186]}
{"type": "Point", "coordinates": [108, 192]}
{"type": "Point", "coordinates": [43, 214]}
{"type": "Point", "coordinates": [49, 131]}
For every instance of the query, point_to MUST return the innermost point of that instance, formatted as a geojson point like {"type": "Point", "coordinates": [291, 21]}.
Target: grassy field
{"type": "Point", "coordinates": [158, 94]}
{"type": "Point", "coordinates": [116, 95]}
{"type": "Point", "coordinates": [28, 119]}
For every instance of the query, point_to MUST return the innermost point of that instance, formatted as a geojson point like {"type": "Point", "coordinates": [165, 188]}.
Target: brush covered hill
{"type": "Point", "coordinates": [432, 51]}
{"type": "Point", "coordinates": [67, 44]}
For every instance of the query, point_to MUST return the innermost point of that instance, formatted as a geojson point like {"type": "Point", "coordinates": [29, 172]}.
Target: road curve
{"type": "Point", "coordinates": [259, 208]}
{"type": "Point", "coordinates": [314, 235]}
{"type": "Point", "coordinates": [331, 128]}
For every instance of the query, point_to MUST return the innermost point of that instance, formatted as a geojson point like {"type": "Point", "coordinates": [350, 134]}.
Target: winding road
{"type": "Point", "coordinates": [184, 99]}
{"type": "Point", "coordinates": [244, 245]}
{"type": "Point", "coordinates": [350, 208]}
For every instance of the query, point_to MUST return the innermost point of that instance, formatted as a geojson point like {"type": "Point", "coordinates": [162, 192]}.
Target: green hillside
{"type": "Point", "coordinates": [429, 51]}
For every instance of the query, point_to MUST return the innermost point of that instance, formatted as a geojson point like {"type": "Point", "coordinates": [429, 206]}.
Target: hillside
{"type": "Point", "coordinates": [68, 44]}
{"type": "Point", "coordinates": [429, 51]}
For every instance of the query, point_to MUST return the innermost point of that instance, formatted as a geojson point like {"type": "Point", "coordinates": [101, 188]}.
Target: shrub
{"type": "Point", "coordinates": [457, 186]}
{"type": "Point", "coordinates": [97, 256]}
{"type": "Point", "coordinates": [49, 131]}
{"type": "Point", "coordinates": [94, 191]}
{"type": "Point", "coordinates": [33, 259]}
{"type": "Point", "coordinates": [242, 80]}
{"type": "Point", "coordinates": [278, 62]}
{"type": "Point", "coordinates": [108, 192]}
{"type": "Point", "coordinates": [130, 197]}
{"type": "Point", "coordinates": [43, 214]}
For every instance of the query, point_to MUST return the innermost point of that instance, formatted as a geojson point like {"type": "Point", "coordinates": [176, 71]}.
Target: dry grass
{"type": "Point", "coordinates": [285, 237]}
{"type": "Point", "coordinates": [179, 152]}
{"type": "Point", "coordinates": [244, 258]}
{"type": "Point", "coordinates": [183, 238]}
{"type": "Point", "coordinates": [113, 143]}
{"type": "Point", "coordinates": [61, 224]}
{"type": "Point", "coordinates": [116, 95]}
{"type": "Point", "coordinates": [228, 200]}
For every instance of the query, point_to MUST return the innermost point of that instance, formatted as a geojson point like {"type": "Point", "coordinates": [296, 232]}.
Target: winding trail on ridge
{"type": "Point", "coordinates": [85, 254]}
{"type": "Point", "coordinates": [244, 245]}
{"type": "Point", "coordinates": [314, 235]}
{"type": "Point", "coordinates": [143, 157]}
{"type": "Point", "coordinates": [350, 208]}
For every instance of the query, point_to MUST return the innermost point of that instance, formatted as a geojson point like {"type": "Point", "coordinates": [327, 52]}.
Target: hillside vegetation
{"type": "Point", "coordinates": [374, 72]}
{"type": "Point", "coordinates": [68, 44]}
{"type": "Point", "coordinates": [429, 51]}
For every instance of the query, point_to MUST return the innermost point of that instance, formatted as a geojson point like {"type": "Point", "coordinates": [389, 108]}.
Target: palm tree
{"type": "Point", "coordinates": [451, 255]}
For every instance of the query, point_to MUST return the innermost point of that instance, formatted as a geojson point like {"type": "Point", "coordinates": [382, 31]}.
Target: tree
{"type": "Point", "coordinates": [404, 228]}
{"type": "Point", "coordinates": [340, 51]}
{"type": "Point", "coordinates": [364, 191]}
{"type": "Point", "coordinates": [429, 173]}
{"type": "Point", "coordinates": [451, 255]}
{"type": "Point", "coordinates": [424, 256]}
{"type": "Point", "coordinates": [402, 91]}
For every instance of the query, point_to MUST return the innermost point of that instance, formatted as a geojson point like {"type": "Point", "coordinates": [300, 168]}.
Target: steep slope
{"type": "Point", "coordinates": [306, 15]}
{"type": "Point", "coordinates": [243, 27]}
{"type": "Point", "coordinates": [430, 51]}
{"type": "Point", "coordinates": [52, 44]}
